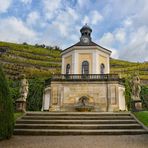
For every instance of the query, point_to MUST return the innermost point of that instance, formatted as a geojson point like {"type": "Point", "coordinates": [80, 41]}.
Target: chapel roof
{"type": "Point", "coordinates": [90, 44]}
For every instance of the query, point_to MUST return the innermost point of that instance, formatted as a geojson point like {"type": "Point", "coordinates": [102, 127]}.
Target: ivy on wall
{"type": "Point", "coordinates": [34, 99]}
{"type": "Point", "coordinates": [127, 93]}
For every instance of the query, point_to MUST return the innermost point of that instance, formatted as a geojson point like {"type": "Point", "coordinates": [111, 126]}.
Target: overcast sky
{"type": "Point", "coordinates": [119, 25]}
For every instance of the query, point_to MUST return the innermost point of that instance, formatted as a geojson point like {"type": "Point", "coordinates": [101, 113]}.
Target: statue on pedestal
{"type": "Point", "coordinates": [21, 102]}
{"type": "Point", "coordinates": [136, 88]}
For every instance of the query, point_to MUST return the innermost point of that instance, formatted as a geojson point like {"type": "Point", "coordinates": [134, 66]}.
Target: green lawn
{"type": "Point", "coordinates": [142, 116]}
{"type": "Point", "coordinates": [17, 115]}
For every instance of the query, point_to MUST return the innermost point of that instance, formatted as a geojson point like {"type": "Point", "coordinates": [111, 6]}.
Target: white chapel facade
{"type": "Point", "coordinates": [86, 53]}
{"type": "Point", "coordinates": [85, 79]}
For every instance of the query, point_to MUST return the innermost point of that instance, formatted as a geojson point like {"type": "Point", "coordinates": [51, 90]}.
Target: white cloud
{"type": "Point", "coordinates": [63, 23]}
{"type": "Point", "coordinates": [137, 47]}
{"type": "Point", "coordinates": [26, 1]}
{"type": "Point", "coordinates": [107, 39]}
{"type": "Point", "coordinates": [14, 30]}
{"type": "Point", "coordinates": [115, 53]}
{"type": "Point", "coordinates": [83, 4]}
{"type": "Point", "coordinates": [93, 18]}
{"type": "Point", "coordinates": [127, 22]}
{"type": "Point", "coordinates": [62, 30]}
{"type": "Point", "coordinates": [96, 17]}
{"type": "Point", "coordinates": [120, 35]}
{"type": "Point", "coordinates": [86, 20]}
{"type": "Point", "coordinates": [4, 5]}
{"type": "Point", "coordinates": [32, 18]}
{"type": "Point", "coordinates": [51, 8]}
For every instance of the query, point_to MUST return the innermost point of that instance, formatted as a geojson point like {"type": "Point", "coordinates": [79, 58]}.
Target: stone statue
{"type": "Point", "coordinates": [21, 102]}
{"type": "Point", "coordinates": [24, 88]}
{"type": "Point", "coordinates": [136, 88]}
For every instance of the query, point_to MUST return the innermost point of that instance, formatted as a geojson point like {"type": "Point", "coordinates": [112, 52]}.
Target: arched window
{"type": "Point", "coordinates": [85, 67]}
{"type": "Point", "coordinates": [102, 68]}
{"type": "Point", "coordinates": [68, 69]}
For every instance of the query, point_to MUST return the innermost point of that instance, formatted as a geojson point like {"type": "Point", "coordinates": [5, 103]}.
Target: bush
{"type": "Point", "coordinates": [144, 92]}
{"type": "Point", "coordinates": [6, 109]}
{"type": "Point", "coordinates": [144, 96]}
{"type": "Point", "coordinates": [14, 89]}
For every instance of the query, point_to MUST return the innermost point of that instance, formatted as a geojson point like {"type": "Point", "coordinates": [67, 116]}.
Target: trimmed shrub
{"type": "Point", "coordinates": [6, 109]}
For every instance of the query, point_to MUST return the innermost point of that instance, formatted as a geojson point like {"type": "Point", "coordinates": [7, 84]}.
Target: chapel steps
{"type": "Point", "coordinates": [76, 114]}
{"type": "Point", "coordinates": [75, 117]}
{"type": "Point", "coordinates": [77, 123]}
{"type": "Point", "coordinates": [77, 126]}
{"type": "Point", "coordinates": [58, 132]}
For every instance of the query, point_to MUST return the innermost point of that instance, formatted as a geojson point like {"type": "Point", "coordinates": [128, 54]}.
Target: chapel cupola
{"type": "Point", "coordinates": [85, 34]}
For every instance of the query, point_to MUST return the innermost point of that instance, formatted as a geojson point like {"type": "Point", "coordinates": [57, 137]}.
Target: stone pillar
{"type": "Point", "coordinates": [74, 62]}
{"type": "Point", "coordinates": [94, 63]}
{"type": "Point", "coordinates": [108, 65]}
{"type": "Point", "coordinates": [55, 99]}
{"type": "Point", "coordinates": [63, 66]}
{"type": "Point", "coordinates": [121, 96]}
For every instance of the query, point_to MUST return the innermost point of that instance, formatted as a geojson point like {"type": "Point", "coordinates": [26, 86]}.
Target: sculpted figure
{"type": "Point", "coordinates": [136, 88]}
{"type": "Point", "coordinates": [23, 88]}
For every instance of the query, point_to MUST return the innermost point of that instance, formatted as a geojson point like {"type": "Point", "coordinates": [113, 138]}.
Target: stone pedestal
{"type": "Point", "coordinates": [136, 105]}
{"type": "Point", "coordinates": [54, 108]}
{"type": "Point", "coordinates": [20, 105]}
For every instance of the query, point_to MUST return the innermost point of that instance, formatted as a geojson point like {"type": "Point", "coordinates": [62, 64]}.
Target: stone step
{"type": "Point", "coordinates": [77, 114]}
{"type": "Point", "coordinates": [79, 132]}
{"type": "Point", "coordinates": [76, 121]}
{"type": "Point", "coordinates": [78, 126]}
{"type": "Point", "coordinates": [76, 117]}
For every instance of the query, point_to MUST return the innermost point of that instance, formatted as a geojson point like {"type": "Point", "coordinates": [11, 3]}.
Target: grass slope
{"type": "Point", "coordinates": [42, 62]}
{"type": "Point", "coordinates": [142, 116]}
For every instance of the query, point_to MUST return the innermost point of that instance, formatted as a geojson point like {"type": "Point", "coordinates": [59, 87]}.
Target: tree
{"type": "Point", "coordinates": [6, 109]}
{"type": "Point", "coordinates": [25, 43]}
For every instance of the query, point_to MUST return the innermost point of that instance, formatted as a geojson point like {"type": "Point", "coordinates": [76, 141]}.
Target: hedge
{"type": "Point", "coordinates": [6, 109]}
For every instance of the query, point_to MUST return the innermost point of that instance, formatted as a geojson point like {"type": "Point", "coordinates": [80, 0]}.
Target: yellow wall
{"type": "Point", "coordinates": [84, 57]}
{"type": "Point", "coordinates": [68, 60]}
{"type": "Point", "coordinates": [103, 60]}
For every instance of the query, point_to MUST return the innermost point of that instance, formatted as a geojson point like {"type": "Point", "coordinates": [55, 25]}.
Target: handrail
{"type": "Point", "coordinates": [85, 77]}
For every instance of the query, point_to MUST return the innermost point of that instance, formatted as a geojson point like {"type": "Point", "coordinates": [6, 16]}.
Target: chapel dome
{"type": "Point", "coordinates": [85, 27]}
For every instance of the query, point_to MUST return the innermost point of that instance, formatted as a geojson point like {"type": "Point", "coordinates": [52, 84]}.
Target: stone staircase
{"type": "Point", "coordinates": [78, 123]}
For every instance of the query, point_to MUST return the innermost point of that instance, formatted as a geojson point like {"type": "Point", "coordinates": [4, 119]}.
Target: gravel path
{"type": "Point", "coordinates": [132, 141]}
